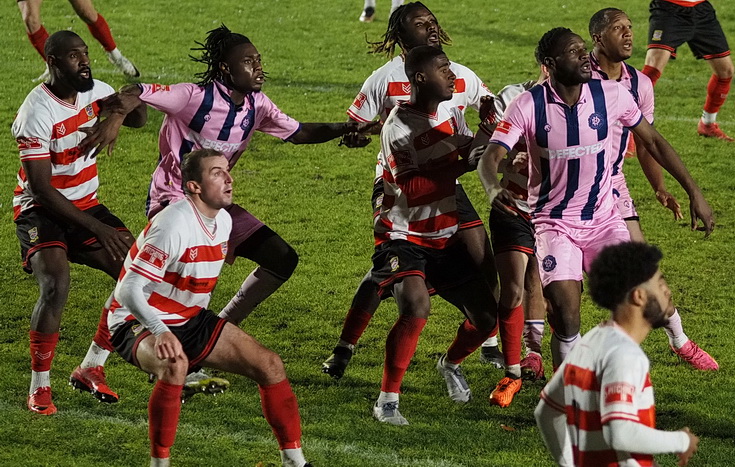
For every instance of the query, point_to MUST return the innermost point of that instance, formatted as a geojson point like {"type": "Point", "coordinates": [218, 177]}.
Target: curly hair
{"type": "Point", "coordinates": [393, 34]}
{"type": "Point", "coordinates": [214, 51]}
{"type": "Point", "coordinates": [620, 268]}
{"type": "Point", "coordinates": [548, 45]}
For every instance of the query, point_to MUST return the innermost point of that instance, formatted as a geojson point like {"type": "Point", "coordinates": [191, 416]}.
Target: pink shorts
{"type": "Point", "coordinates": [625, 203]}
{"type": "Point", "coordinates": [567, 248]}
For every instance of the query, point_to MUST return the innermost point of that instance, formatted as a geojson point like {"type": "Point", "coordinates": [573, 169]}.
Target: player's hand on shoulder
{"type": "Point", "coordinates": [668, 201]}
{"type": "Point", "coordinates": [685, 456]}
{"type": "Point", "coordinates": [167, 346]}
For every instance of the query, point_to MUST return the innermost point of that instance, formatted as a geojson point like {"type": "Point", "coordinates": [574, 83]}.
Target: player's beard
{"type": "Point", "coordinates": [82, 84]}
{"type": "Point", "coordinates": [654, 314]}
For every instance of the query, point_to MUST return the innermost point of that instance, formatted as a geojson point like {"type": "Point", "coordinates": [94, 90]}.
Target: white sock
{"type": "Point", "coordinates": [447, 364]}
{"type": "Point", "coordinates": [115, 54]}
{"type": "Point", "coordinates": [675, 331]}
{"type": "Point", "coordinates": [560, 347]}
{"type": "Point", "coordinates": [708, 118]}
{"type": "Point", "coordinates": [39, 379]}
{"type": "Point", "coordinates": [342, 343]}
{"type": "Point", "coordinates": [491, 341]}
{"type": "Point", "coordinates": [160, 462]}
{"type": "Point", "coordinates": [533, 333]}
{"type": "Point", "coordinates": [292, 458]}
{"type": "Point", "coordinates": [395, 4]}
{"type": "Point", "coordinates": [96, 356]}
{"type": "Point", "coordinates": [369, 3]}
{"type": "Point", "coordinates": [513, 371]}
{"type": "Point", "coordinates": [386, 397]}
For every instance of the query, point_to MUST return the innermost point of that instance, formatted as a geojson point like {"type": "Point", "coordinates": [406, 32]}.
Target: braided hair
{"type": "Point", "coordinates": [549, 44]}
{"type": "Point", "coordinates": [214, 51]}
{"type": "Point", "coordinates": [392, 36]}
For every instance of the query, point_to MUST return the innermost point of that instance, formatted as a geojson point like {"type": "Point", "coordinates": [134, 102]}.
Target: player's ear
{"type": "Point", "coordinates": [549, 63]}
{"type": "Point", "coordinates": [596, 38]}
{"type": "Point", "coordinates": [193, 187]}
{"type": "Point", "coordinates": [420, 77]}
{"type": "Point", "coordinates": [224, 68]}
{"type": "Point", "coordinates": [638, 296]}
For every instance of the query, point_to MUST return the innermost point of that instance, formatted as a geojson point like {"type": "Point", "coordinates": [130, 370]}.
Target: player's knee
{"type": "Point", "coordinates": [54, 291]}
{"type": "Point", "coordinates": [511, 296]}
{"type": "Point", "coordinates": [270, 369]}
{"type": "Point", "coordinates": [174, 372]}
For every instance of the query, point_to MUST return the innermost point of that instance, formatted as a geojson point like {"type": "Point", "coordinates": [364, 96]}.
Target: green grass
{"type": "Point", "coordinates": [317, 198]}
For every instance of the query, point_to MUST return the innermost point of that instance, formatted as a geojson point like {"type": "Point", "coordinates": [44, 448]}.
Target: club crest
{"type": "Point", "coordinates": [549, 263]}
{"type": "Point", "coordinates": [596, 121]}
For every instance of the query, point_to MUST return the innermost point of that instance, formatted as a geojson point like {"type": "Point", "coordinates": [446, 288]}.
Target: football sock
{"type": "Point", "coordinates": [43, 347]}
{"type": "Point", "coordinates": [258, 286]}
{"type": "Point", "coordinates": [395, 4]}
{"type": "Point", "coordinates": [560, 347]}
{"type": "Point", "coordinates": [160, 462]}
{"type": "Point", "coordinates": [386, 397]}
{"type": "Point", "coordinates": [102, 336]}
{"type": "Point", "coordinates": [467, 340]}
{"type": "Point", "coordinates": [492, 341]}
{"type": "Point", "coordinates": [281, 411]}
{"type": "Point", "coordinates": [399, 348]}
{"type": "Point", "coordinates": [369, 3]}
{"type": "Point", "coordinates": [653, 73]}
{"type": "Point", "coordinates": [101, 31]}
{"type": "Point", "coordinates": [292, 458]}
{"type": "Point", "coordinates": [511, 322]}
{"type": "Point", "coordinates": [38, 39]}
{"type": "Point", "coordinates": [514, 371]}
{"type": "Point", "coordinates": [533, 333]}
{"type": "Point", "coordinates": [164, 408]}
{"type": "Point", "coordinates": [717, 90]}
{"type": "Point", "coordinates": [96, 356]}
{"type": "Point", "coordinates": [675, 331]}
{"type": "Point", "coordinates": [355, 323]}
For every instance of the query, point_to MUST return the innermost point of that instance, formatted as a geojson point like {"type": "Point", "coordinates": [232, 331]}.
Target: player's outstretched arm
{"type": "Point", "coordinates": [655, 175]}
{"type": "Point", "coordinates": [553, 427]}
{"type": "Point", "coordinates": [359, 140]}
{"type": "Point", "coordinates": [630, 436]}
{"type": "Point", "coordinates": [313, 133]}
{"type": "Point", "coordinates": [665, 155]}
{"type": "Point", "coordinates": [38, 173]}
{"type": "Point", "coordinates": [122, 108]}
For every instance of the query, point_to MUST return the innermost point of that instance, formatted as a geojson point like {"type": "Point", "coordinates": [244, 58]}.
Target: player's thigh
{"type": "Point", "coordinates": [412, 296]}
{"type": "Point", "coordinates": [238, 352]}
{"type": "Point", "coordinates": [722, 66]}
{"type": "Point", "coordinates": [475, 300]}
{"type": "Point", "coordinates": [85, 10]}
{"type": "Point", "coordinates": [657, 58]}
{"type": "Point", "coordinates": [559, 255]}
{"type": "Point", "coordinates": [534, 301]}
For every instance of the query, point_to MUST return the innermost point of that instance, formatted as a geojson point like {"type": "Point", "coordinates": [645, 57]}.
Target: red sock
{"type": "Point", "coordinates": [102, 336]}
{"type": "Point", "coordinates": [101, 31]}
{"type": "Point", "coordinates": [38, 39]}
{"type": "Point", "coordinates": [164, 408]}
{"type": "Point", "coordinates": [511, 322]}
{"type": "Point", "coordinates": [468, 339]}
{"type": "Point", "coordinates": [355, 323]}
{"type": "Point", "coordinates": [399, 349]}
{"type": "Point", "coordinates": [652, 73]}
{"type": "Point", "coordinates": [281, 410]}
{"type": "Point", "coordinates": [42, 350]}
{"type": "Point", "coordinates": [717, 90]}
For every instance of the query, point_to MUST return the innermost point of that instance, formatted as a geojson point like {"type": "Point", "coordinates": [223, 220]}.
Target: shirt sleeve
{"type": "Point", "coordinates": [32, 133]}
{"type": "Point", "coordinates": [646, 97]}
{"type": "Point", "coordinates": [624, 380]}
{"type": "Point", "coordinates": [630, 115]}
{"type": "Point", "coordinates": [475, 89]}
{"type": "Point", "coordinates": [397, 151]}
{"type": "Point", "coordinates": [160, 247]}
{"type": "Point", "coordinates": [512, 126]}
{"type": "Point", "coordinates": [169, 99]}
{"type": "Point", "coordinates": [271, 120]}
{"type": "Point", "coordinates": [367, 104]}
{"type": "Point", "coordinates": [553, 392]}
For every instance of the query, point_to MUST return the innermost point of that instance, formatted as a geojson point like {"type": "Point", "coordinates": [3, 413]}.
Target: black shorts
{"type": "Point", "coordinates": [511, 233]}
{"type": "Point", "coordinates": [197, 336]}
{"type": "Point", "coordinates": [671, 25]}
{"type": "Point", "coordinates": [468, 217]}
{"type": "Point", "coordinates": [443, 269]}
{"type": "Point", "coordinates": [39, 228]}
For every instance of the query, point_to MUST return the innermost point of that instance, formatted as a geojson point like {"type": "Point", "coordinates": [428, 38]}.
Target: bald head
{"type": "Point", "coordinates": [60, 42]}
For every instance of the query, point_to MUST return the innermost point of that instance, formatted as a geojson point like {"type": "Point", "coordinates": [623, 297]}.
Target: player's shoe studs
{"type": "Point", "coordinates": [712, 130]}
{"type": "Point", "coordinates": [201, 382]}
{"type": "Point", "coordinates": [696, 357]}
{"type": "Point", "coordinates": [367, 15]}
{"type": "Point", "coordinates": [532, 367]}
{"type": "Point", "coordinates": [40, 401]}
{"type": "Point", "coordinates": [123, 64]}
{"type": "Point", "coordinates": [93, 380]}
{"type": "Point", "coordinates": [457, 387]}
{"type": "Point", "coordinates": [388, 413]}
{"type": "Point", "coordinates": [493, 356]}
{"type": "Point", "coordinates": [336, 364]}
{"type": "Point", "coordinates": [503, 393]}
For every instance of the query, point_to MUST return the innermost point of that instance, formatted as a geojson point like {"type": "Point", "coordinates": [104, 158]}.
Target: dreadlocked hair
{"type": "Point", "coordinates": [392, 36]}
{"type": "Point", "coordinates": [549, 43]}
{"type": "Point", "coordinates": [214, 50]}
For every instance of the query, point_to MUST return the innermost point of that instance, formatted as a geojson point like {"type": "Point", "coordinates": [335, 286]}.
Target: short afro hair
{"type": "Point", "coordinates": [601, 20]}
{"type": "Point", "coordinates": [58, 42]}
{"type": "Point", "coordinates": [417, 59]}
{"type": "Point", "coordinates": [548, 45]}
{"type": "Point", "coordinates": [620, 268]}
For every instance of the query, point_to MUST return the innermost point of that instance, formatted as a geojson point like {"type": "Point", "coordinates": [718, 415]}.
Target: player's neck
{"type": "Point", "coordinates": [567, 93]}
{"type": "Point", "coordinates": [634, 324]}
{"type": "Point", "coordinates": [203, 208]}
{"type": "Point", "coordinates": [423, 103]}
{"type": "Point", "coordinates": [612, 68]}
{"type": "Point", "coordinates": [62, 91]}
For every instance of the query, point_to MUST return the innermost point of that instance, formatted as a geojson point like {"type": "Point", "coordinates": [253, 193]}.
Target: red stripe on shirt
{"type": "Point", "coordinates": [190, 283]}
{"type": "Point", "coordinates": [433, 136]}
{"type": "Point", "coordinates": [70, 181]}
{"type": "Point", "coordinates": [459, 85]}
{"type": "Point", "coordinates": [72, 124]}
{"type": "Point", "coordinates": [399, 88]}
{"type": "Point", "coordinates": [65, 157]}
{"type": "Point", "coordinates": [202, 254]}
{"type": "Point", "coordinates": [168, 305]}
{"type": "Point", "coordinates": [435, 223]}
{"type": "Point", "coordinates": [581, 377]}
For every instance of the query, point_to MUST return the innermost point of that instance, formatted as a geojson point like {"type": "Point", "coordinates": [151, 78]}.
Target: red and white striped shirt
{"type": "Point", "coordinates": [604, 378]}
{"type": "Point", "coordinates": [415, 144]}
{"type": "Point", "coordinates": [182, 257]}
{"type": "Point", "coordinates": [48, 128]}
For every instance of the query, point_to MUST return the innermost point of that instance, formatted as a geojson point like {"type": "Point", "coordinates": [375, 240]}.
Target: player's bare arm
{"type": "Point", "coordinates": [655, 175]}
{"type": "Point", "coordinates": [313, 133]}
{"type": "Point", "coordinates": [122, 108]}
{"type": "Point", "coordinates": [38, 172]}
{"type": "Point", "coordinates": [487, 169]}
{"type": "Point", "coordinates": [359, 140]}
{"type": "Point", "coordinates": [665, 155]}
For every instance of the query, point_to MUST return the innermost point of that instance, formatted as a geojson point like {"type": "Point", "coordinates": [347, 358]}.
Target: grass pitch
{"type": "Point", "coordinates": [317, 198]}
